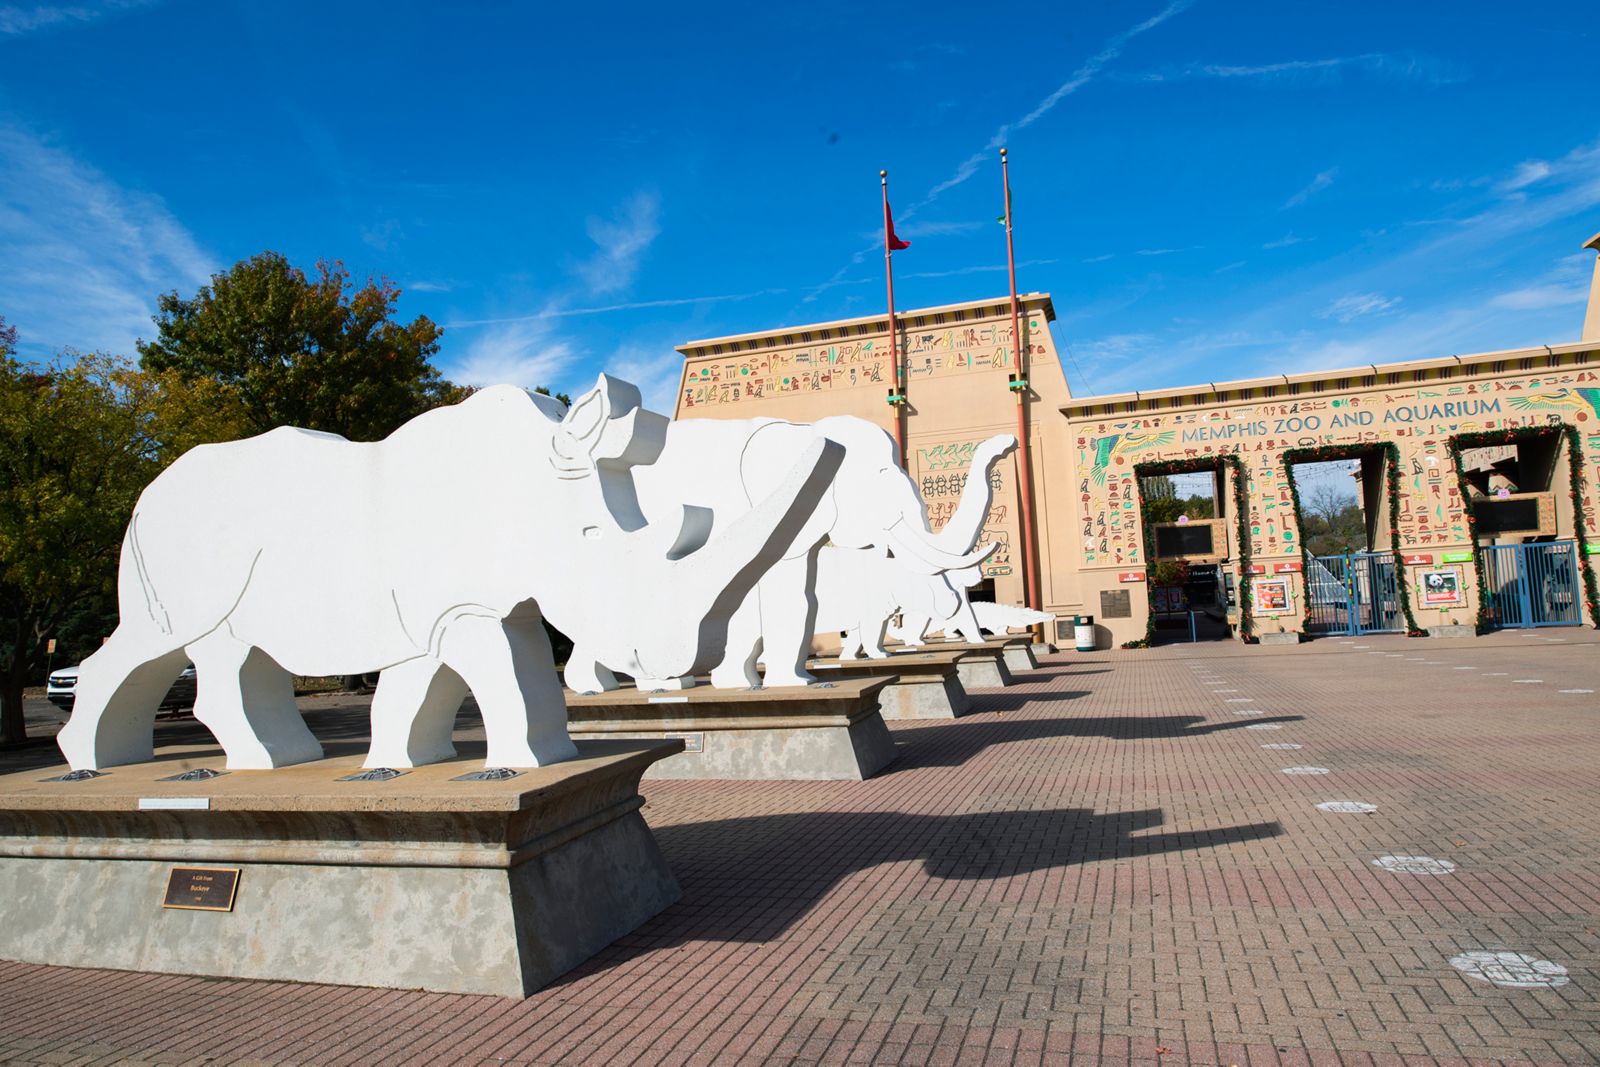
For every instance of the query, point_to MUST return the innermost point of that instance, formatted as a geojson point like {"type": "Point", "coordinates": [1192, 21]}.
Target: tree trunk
{"type": "Point", "coordinates": [13, 724]}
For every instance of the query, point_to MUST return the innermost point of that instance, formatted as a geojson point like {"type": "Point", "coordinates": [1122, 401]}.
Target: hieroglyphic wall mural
{"type": "Point", "coordinates": [940, 471]}
{"type": "Point", "coordinates": [846, 364]}
{"type": "Point", "coordinates": [1420, 418]}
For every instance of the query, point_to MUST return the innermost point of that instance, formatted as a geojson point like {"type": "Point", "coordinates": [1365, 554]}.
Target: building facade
{"type": "Point", "coordinates": [1477, 473]}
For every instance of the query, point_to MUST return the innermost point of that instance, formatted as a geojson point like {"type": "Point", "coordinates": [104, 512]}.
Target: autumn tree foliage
{"type": "Point", "coordinates": [316, 352]}
{"type": "Point", "coordinates": [80, 438]}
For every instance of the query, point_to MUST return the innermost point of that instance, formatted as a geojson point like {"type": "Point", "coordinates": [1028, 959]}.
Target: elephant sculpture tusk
{"type": "Point", "coordinates": [912, 547]}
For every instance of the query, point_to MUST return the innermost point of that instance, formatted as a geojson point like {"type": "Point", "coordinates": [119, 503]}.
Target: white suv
{"type": "Point", "coordinates": [63, 686]}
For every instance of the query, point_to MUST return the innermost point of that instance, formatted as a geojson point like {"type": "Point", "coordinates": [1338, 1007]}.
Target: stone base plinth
{"type": "Point", "coordinates": [1454, 629]}
{"type": "Point", "coordinates": [1279, 638]}
{"type": "Point", "coordinates": [924, 685]}
{"type": "Point", "coordinates": [988, 663]}
{"type": "Point", "coordinates": [831, 730]}
{"type": "Point", "coordinates": [418, 882]}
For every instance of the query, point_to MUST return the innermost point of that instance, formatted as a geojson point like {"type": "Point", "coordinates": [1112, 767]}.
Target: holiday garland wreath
{"type": "Point", "coordinates": [1241, 516]}
{"type": "Point", "coordinates": [1511, 436]}
{"type": "Point", "coordinates": [1391, 472]}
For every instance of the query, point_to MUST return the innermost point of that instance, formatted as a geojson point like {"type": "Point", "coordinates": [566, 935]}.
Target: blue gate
{"type": "Point", "coordinates": [1532, 585]}
{"type": "Point", "coordinates": [1352, 594]}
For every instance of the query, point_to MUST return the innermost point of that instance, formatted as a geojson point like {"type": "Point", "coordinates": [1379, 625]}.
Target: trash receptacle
{"type": "Point", "coordinates": [1083, 632]}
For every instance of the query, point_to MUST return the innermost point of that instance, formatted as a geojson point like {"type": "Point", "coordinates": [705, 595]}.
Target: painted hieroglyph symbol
{"type": "Point", "coordinates": [1347, 807]}
{"type": "Point", "coordinates": [1305, 770]}
{"type": "Point", "coordinates": [1414, 865]}
{"type": "Point", "coordinates": [1511, 970]}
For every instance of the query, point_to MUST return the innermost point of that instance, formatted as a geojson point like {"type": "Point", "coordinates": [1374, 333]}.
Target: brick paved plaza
{"type": "Point", "coordinates": [1106, 864]}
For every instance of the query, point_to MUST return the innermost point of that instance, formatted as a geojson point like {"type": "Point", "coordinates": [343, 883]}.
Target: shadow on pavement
{"type": "Point", "coordinates": [948, 746]}
{"type": "Point", "coordinates": [750, 879]}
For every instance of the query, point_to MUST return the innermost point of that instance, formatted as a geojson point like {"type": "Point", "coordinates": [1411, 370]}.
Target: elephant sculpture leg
{"type": "Point", "coordinates": [584, 674]}
{"type": "Point", "coordinates": [414, 713]}
{"type": "Point", "coordinates": [964, 624]}
{"type": "Point", "coordinates": [119, 691]}
{"type": "Point", "coordinates": [738, 667]}
{"type": "Point", "coordinates": [508, 666]}
{"type": "Point", "coordinates": [788, 615]}
{"type": "Point", "coordinates": [873, 633]}
{"type": "Point", "coordinates": [912, 630]}
{"type": "Point", "coordinates": [247, 702]}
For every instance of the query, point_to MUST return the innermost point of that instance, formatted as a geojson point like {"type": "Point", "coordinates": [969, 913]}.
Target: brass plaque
{"type": "Point", "coordinates": [201, 888]}
{"type": "Point", "coordinates": [1114, 604]}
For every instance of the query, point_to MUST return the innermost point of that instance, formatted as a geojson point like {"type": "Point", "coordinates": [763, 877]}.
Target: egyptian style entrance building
{"type": "Point", "coordinates": [1478, 473]}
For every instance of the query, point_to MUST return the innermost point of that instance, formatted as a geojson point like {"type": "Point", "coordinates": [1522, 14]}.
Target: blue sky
{"type": "Point", "coordinates": [1209, 190]}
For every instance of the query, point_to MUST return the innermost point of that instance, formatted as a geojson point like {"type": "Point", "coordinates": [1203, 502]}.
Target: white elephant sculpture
{"type": "Point", "coordinates": [859, 590]}
{"type": "Point", "coordinates": [724, 466]}
{"type": "Point", "coordinates": [430, 556]}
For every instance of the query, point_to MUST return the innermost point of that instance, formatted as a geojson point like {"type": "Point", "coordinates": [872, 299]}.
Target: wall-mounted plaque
{"type": "Point", "coordinates": [1115, 604]}
{"type": "Point", "coordinates": [201, 888]}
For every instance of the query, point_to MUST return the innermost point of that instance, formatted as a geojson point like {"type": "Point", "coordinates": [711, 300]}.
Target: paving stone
{"type": "Point", "coordinates": [1094, 866]}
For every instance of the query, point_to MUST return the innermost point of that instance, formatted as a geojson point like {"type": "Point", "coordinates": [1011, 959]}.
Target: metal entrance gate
{"type": "Point", "coordinates": [1532, 585]}
{"type": "Point", "coordinates": [1353, 594]}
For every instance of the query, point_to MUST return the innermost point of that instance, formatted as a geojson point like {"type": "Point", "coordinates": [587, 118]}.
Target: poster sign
{"type": "Point", "coordinates": [1442, 586]}
{"type": "Point", "coordinates": [1168, 598]}
{"type": "Point", "coordinates": [1256, 568]}
{"type": "Point", "coordinates": [1272, 596]}
{"type": "Point", "coordinates": [1131, 576]}
{"type": "Point", "coordinates": [1458, 557]}
{"type": "Point", "coordinates": [1418, 560]}
{"type": "Point", "coordinates": [1286, 568]}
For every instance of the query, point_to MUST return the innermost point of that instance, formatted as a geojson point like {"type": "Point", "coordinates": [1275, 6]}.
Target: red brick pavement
{"type": "Point", "coordinates": [1101, 866]}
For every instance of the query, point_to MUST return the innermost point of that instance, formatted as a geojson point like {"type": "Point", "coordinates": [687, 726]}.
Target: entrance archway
{"type": "Point", "coordinates": [1348, 537]}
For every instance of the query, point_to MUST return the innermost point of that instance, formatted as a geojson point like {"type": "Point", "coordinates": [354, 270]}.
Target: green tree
{"type": "Point", "coordinates": [312, 352]}
{"type": "Point", "coordinates": [1334, 523]}
{"type": "Point", "coordinates": [79, 440]}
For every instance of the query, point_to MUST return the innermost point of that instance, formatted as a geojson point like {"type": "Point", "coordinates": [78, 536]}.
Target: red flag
{"type": "Point", "coordinates": [891, 238]}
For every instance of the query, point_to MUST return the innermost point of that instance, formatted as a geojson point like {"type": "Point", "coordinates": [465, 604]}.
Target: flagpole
{"type": "Point", "coordinates": [1019, 386]}
{"type": "Point", "coordinates": [897, 397]}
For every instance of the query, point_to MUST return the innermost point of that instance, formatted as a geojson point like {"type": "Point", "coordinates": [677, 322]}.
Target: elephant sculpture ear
{"type": "Point", "coordinates": [607, 426]}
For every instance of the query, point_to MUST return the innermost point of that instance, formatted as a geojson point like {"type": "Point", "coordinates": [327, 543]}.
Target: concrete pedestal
{"type": "Point", "coordinates": [983, 664]}
{"type": "Point", "coordinates": [1454, 629]}
{"type": "Point", "coordinates": [832, 731]}
{"type": "Point", "coordinates": [923, 685]}
{"type": "Point", "coordinates": [417, 882]}
{"type": "Point", "coordinates": [1290, 638]}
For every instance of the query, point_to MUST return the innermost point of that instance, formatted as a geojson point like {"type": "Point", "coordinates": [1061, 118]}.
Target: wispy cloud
{"type": "Point", "coordinates": [1115, 347]}
{"type": "Point", "coordinates": [1099, 259]}
{"type": "Point", "coordinates": [19, 19]}
{"type": "Point", "coordinates": [1527, 173]}
{"type": "Point", "coordinates": [987, 268]}
{"type": "Point", "coordinates": [382, 235]}
{"type": "Point", "coordinates": [525, 353]}
{"type": "Point", "coordinates": [556, 311]}
{"type": "Point", "coordinates": [938, 229]}
{"type": "Point", "coordinates": [1535, 297]}
{"type": "Point", "coordinates": [1353, 306]}
{"type": "Point", "coordinates": [657, 369]}
{"type": "Point", "coordinates": [1085, 74]}
{"type": "Point", "coordinates": [1392, 66]}
{"type": "Point", "coordinates": [622, 241]}
{"type": "Point", "coordinates": [1286, 241]}
{"type": "Point", "coordinates": [82, 259]}
{"type": "Point", "coordinates": [1319, 183]}
{"type": "Point", "coordinates": [426, 286]}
